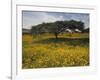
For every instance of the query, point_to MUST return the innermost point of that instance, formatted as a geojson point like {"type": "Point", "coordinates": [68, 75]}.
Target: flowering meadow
{"type": "Point", "coordinates": [45, 51]}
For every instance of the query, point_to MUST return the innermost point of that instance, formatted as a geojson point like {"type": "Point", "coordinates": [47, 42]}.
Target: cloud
{"type": "Point", "coordinates": [34, 18]}
{"type": "Point", "coordinates": [31, 18]}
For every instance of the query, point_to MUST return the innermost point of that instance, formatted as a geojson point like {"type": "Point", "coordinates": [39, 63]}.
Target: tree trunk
{"type": "Point", "coordinates": [56, 35]}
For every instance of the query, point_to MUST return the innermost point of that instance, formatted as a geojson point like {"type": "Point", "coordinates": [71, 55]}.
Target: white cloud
{"type": "Point", "coordinates": [38, 19]}
{"type": "Point", "coordinates": [33, 18]}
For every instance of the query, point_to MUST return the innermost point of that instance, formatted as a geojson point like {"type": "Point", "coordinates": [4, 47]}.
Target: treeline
{"type": "Point", "coordinates": [58, 27]}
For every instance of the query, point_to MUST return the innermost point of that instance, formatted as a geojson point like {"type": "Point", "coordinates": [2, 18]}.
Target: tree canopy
{"type": "Point", "coordinates": [57, 27]}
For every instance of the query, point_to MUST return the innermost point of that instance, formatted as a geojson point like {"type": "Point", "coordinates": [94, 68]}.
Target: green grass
{"type": "Point", "coordinates": [43, 51]}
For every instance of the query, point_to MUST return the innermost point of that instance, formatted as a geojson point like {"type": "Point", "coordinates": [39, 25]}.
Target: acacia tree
{"type": "Point", "coordinates": [57, 27]}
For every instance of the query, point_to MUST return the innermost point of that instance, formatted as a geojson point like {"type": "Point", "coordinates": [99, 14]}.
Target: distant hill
{"type": "Point", "coordinates": [26, 31]}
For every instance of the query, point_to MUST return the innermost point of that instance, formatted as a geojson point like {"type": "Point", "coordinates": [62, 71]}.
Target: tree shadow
{"type": "Point", "coordinates": [67, 41]}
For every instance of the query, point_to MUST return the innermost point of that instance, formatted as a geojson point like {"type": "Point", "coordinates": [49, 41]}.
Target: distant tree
{"type": "Point", "coordinates": [75, 25]}
{"type": "Point", "coordinates": [57, 27]}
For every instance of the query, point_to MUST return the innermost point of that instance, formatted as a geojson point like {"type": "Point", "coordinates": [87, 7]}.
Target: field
{"type": "Point", "coordinates": [45, 51]}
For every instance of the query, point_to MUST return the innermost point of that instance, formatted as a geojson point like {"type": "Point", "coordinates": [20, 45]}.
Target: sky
{"type": "Point", "coordinates": [32, 18]}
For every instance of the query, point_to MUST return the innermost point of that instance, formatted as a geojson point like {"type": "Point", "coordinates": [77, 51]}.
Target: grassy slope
{"type": "Point", "coordinates": [44, 51]}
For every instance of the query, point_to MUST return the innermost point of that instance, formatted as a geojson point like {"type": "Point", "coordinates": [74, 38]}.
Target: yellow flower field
{"type": "Point", "coordinates": [45, 51]}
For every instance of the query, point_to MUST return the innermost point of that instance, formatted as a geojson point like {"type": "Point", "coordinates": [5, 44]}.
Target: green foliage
{"type": "Point", "coordinates": [57, 27]}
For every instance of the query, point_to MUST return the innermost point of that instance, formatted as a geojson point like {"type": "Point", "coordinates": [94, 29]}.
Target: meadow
{"type": "Point", "coordinates": [45, 51]}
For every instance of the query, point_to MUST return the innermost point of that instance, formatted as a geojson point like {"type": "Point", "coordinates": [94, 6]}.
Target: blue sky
{"type": "Point", "coordinates": [31, 18]}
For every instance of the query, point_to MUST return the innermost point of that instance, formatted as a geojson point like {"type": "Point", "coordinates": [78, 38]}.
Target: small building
{"type": "Point", "coordinates": [78, 31]}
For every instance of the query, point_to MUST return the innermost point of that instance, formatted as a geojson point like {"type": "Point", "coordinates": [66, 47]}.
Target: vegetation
{"type": "Point", "coordinates": [44, 50]}
{"type": "Point", "coordinates": [57, 27]}
{"type": "Point", "coordinates": [51, 45]}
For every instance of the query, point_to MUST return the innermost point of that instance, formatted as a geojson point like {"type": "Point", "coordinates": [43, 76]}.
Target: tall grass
{"type": "Point", "coordinates": [43, 51]}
